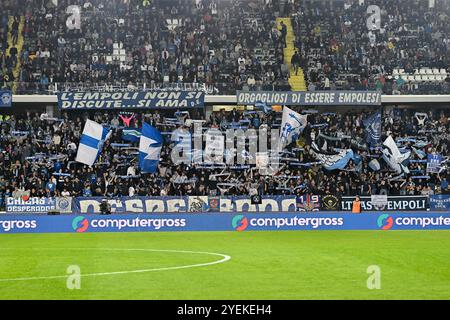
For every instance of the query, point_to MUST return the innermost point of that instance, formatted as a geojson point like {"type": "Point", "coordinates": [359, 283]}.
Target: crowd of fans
{"type": "Point", "coordinates": [224, 45]}
{"type": "Point", "coordinates": [358, 44]}
{"type": "Point", "coordinates": [37, 156]}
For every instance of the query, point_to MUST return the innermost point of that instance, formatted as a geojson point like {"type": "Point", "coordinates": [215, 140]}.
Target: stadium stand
{"type": "Point", "coordinates": [37, 157]}
{"type": "Point", "coordinates": [340, 51]}
{"type": "Point", "coordinates": [225, 45]}
{"type": "Point", "coordinates": [204, 42]}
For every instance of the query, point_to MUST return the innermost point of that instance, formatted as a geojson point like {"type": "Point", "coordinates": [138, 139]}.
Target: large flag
{"type": "Point", "coordinates": [292, 125]}
{"type": "Point", "coordinates": [214, 147]}
{"type": "Point", "coordinates": [131, 134]}
{"type": "Point", "coordinates": [150, 147]}
{"type": "Point", "coordinates": [91, 142]}
{"type": "Point", "coordinates": [182, 140]}
{"type": "Point", "coordinates": [336, 161]}
{"type": "Point", "coordinates": [373, 128]}
{"type": "Point", "coordinates": [394, 158]}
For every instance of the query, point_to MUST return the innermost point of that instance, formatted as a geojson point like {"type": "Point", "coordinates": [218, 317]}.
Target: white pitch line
{"type": "Point", "coordinates": [224, 259]}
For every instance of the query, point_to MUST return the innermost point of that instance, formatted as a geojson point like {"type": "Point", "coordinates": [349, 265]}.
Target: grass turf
{"type": "Point", "coordinates": [263, 265]}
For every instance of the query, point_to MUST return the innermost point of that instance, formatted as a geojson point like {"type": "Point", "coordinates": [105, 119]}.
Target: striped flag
{"type": "Point", "coordinates": [91, 142]}
{"type": "Point", "coordinates": [131, 134]}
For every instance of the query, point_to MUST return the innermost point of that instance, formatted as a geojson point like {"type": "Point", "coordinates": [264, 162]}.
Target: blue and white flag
{"type": "Point", "coordinates": [421, 144]}
{"type": "Point", "coordinates": [182, 140]}
{"type": "Point", "coordinates": [131, 134]}
{"type": "Point", "coordinates": [393, 157]}
{"type": "Point", "coordinates": [181, 137]}
{"type": "Point", "coordinates": [333, 161]}
{"type": "Point", "coordinates": [434, 163]}
{"type": "Point", "coordinates": [373, 128]}
{"type": "Point", "coordinates": [292, 125]}
{"type": "Point", "coordinates": [91, 142]}
{"type": "Point", "coordinates": [150, 147]}
{"type": "Point", "coordinates": [263, 106]}
{"type": "Point", "coordinates": [420, 153]}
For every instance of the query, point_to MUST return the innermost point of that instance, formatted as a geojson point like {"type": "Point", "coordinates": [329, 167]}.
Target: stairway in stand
{"type": "Point", "coordinates": [297, 82]}
{"type": "Point", "coordinates": [19, 46]}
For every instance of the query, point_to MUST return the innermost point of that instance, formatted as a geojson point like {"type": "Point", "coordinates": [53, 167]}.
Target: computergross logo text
{"type": "Point", "coordinates": [9, 225]}
{"type": "Point", "coordinates": [386, 222]}
{"type": "Point", "coordinates": [81, 224]}
{"type": "Point", "coordinates": [240, 222]}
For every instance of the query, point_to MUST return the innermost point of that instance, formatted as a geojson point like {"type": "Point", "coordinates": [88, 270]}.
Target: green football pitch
{"type": "Point", "coordinates": [226, 265]}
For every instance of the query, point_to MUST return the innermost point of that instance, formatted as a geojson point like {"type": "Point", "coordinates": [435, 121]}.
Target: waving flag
{"type": "Point", "coordinates": [373, 128]}
{"type": "Point", "coordinates": [263, 106]}
{"type": "Point", "coordinates": [91, 142]}
{"type": "Point", "coordinates": [421, 144]}
{"type": "Point", "coordinates": [131, 134]}
{"type": "Point", "coordinates": [393, 157]}
{"type": "Point", "coordinates": [292, 125]}
{"type": "Point", "coordinates": [420, 153]}
{"type": "Point", "coordinates": [333, 161]}
{"type": "Point", "coordinates": [149, 148]}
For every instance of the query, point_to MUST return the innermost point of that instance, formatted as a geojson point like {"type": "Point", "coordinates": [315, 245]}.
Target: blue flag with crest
{"type": "Point", "coordinates": [373, 128]}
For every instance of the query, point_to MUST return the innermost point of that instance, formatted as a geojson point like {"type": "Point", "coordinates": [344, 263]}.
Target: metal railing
{"type": "Point", "coordinates": [33, 88]}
